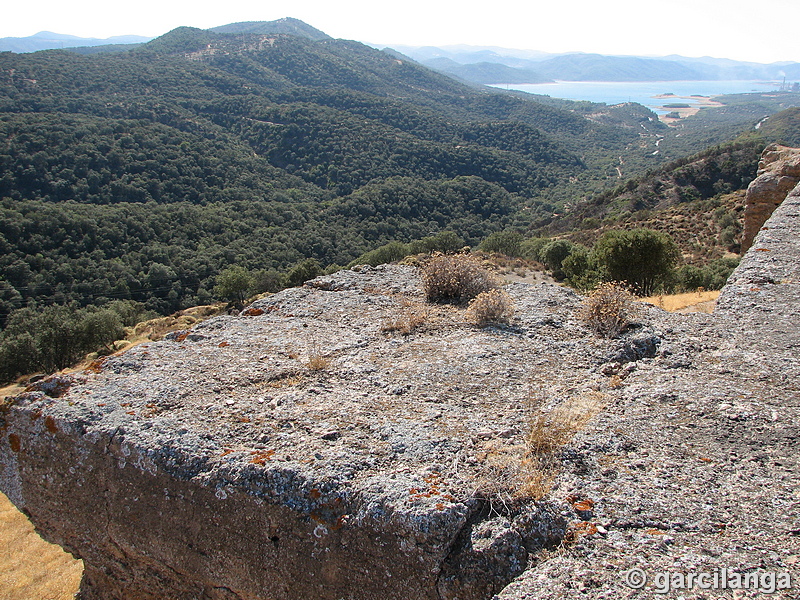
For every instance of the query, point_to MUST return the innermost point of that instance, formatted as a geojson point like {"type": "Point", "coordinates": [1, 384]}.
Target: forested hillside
{"type": "Point", "coordinates": [142, 174]}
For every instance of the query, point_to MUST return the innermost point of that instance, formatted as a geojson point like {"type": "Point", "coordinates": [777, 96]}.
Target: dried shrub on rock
{"type": "Point", "coordinates": [608, 310]}
{"type": "Point", "coordinates": [455, 278]}
{"type": "Point", "coordinates": [413, 316]}
{"type": "Point", "coordinates": [494, 306]}
{"type": "Point", "coordinates": [524, 469]}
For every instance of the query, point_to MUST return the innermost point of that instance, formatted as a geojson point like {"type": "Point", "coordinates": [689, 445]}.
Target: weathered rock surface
{"type": "Point", "coordinates": [693, 466]}
{"type": "Point", "coordinates": [220, 465]}
{"type": "Point", "coordinates": [778, 173]}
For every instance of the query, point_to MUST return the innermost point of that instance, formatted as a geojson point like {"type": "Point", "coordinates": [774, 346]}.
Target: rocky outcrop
{"type": "Point", "coordinates": [691, 469]}
{"type": "Point", "coordinates": [304, 450]}
{"type": "Point", "coordinates": [778, 173]}
{"type": "Point", "coordinates": [307, 449]}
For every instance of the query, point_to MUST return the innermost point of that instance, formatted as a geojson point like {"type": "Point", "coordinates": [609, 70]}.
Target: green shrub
{"type": "Point", "coordinates": [553, 254]}
{"type": "Point", "coordinates": [579, 269]}
{"type": "Point", "coordinates": [55, 337]}
{"type": "Point", "coordinates": [233, 284]}
{"type": "Point", "coordinates": [532, 248]}
{"type": "Point", "coordinates": [303, 271]}
{"type": "Point", "coordinates": [444, 241]}
{"type": "Point", "coordinates": [643, 258]}
{"type": "Point", "coordinates": [383, 254]}
{"type": "Point", "coordinates": [503, 242]}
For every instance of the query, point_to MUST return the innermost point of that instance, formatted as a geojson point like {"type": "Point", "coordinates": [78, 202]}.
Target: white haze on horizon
{"type": "Point", "coordinates": [720, 28]}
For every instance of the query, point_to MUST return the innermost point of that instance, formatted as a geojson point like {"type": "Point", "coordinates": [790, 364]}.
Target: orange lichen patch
{"type": "Point", "coordinates": [182, 336]}
{"type": "Point", "coordinates": [96, 366]}
{"type": "Point", "coordinates": [704, 459]}
{"type": "Point", "coordinates": [224, 344]}
{"type": "Point", "coordinates": [243, 419]}
{"type": "Point", "coordinates": [339, 522]}
{"type": "Point", "coordinates": [583, 505]}
{"type": "Point", "coordinates": [260, 457]}
{"type": "Point", "coordinates": [50, 424]}
{"type": "Point", "coordinates": [131, 412]}
{"type": "Point", "coordinates": [54, 386]}
{"type": "Point", "coordinates": [315, 494]}
{"type": "Point", "coordinates": [580, 529]}
{"type": "Point", "coordinates": [124, 403]}
{"type": "Point", "coordinates": [763, 249]}
{"type": "Point", "coordinates": [439, 506]}
{"type": "Point", "coordinates": [253, 312]}
{"type": "Point", "coordinates": [227, 451]}
{"type": "Point", "coordinates": [14, 442]}
{"type": "Point", "coordinates": [655, 532]}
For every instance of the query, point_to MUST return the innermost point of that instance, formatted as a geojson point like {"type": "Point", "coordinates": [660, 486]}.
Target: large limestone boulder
{"type": "Point", "coordinates": [778, 173]}
{"type": "Point", "coordinates": [305, 449]}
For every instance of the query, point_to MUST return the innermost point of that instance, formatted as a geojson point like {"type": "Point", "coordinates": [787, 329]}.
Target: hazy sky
{"type": "Point", "coordinates": [721, 28]}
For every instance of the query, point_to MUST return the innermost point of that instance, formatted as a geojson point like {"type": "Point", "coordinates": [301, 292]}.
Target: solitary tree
{"type": "Point", "coordinates": [644, 258]}
{"type": "Point", "coordinates": [233, 284]}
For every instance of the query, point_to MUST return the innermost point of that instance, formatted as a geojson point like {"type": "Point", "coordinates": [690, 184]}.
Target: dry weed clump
{"type": "Point", "coordinates": [455, 278]}
{"type": "Point", "coordinates": [526, 471]}
{"type": "Point", "coordinates": [494, 306]}
{"type": "Point", "coordinates": [551, 430]}
{"type": "Point", "coordinates": [608, 309]}
{"type": "Point", "coordinates": [412, 317]}
{"type": "Point", "coordinates": [316, 359]}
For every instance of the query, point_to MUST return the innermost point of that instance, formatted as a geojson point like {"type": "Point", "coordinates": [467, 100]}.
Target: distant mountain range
{"type": "Point", "coordinates": [47, 40]}
{"type": "Point", "coordinates": [476, 64]}
{"type": "Point", "coordinates": [526, 66]}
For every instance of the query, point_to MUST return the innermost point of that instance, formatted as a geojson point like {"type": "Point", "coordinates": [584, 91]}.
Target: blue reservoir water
{"type": "Point", "coordinates": [643, 92]}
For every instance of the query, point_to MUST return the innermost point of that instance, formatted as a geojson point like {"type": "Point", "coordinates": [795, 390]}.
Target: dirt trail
{"type": "Point", "coordinates": [30, 568]}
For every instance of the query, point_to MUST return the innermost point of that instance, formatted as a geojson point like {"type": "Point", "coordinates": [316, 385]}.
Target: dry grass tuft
{"type": "Point", "coordinates": [455, 278]}
{"type": "Point", "coordinates": [413, 316]}
{"type": "Point", "coordinates": [494, 306]}
{"type": "Point", "coordinates": [316, 360]}
{"type": "Point", "coordinates": [156, 329]}
{"type": "Point", "coordinates": [551, 430]}
{"type": "Point", "coordinates": [608, 309]}
{"type": "Point", "coordinates": [514, 471]}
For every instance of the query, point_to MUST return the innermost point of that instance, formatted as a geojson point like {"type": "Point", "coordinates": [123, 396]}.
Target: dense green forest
{"type": "Point", "coordinates": [141, 175]}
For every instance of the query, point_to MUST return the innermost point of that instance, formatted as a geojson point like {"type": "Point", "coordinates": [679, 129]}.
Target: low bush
{"type": "Point", "coordinates": [455, 278]}
{"type": "Point", "coordinates": [608, 309]}
{"type": "Point", "coordinates": [494, 306]}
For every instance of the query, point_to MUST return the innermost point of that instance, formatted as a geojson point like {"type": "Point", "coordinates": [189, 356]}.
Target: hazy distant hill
{"type": "Point", "coordinates": [486, 72]}
{"type": "Point", "coordinates": [594, 67]}
{"type": "Point", "coordinates": [47, 40]}
{"type": "Point", "coordinates": [286, 25]}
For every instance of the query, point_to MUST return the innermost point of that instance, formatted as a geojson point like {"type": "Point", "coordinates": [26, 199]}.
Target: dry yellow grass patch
{"type": "Point", "coordinates": [513, 471]}
{"type": "Point", "coordinates": [675, 302]}
{"type": "Point", "coordinates": [155, 329]}
{"type": "Point", "coordinates": [30, 568]}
